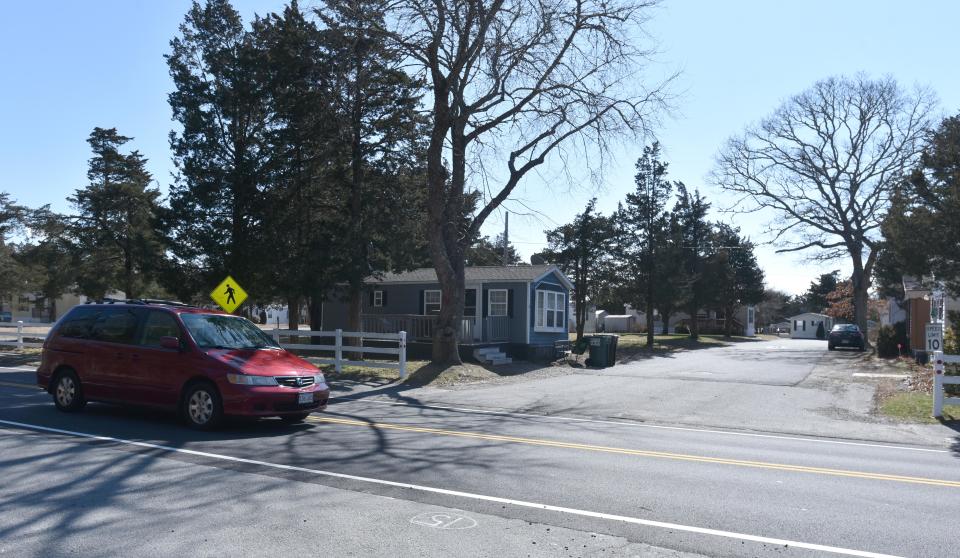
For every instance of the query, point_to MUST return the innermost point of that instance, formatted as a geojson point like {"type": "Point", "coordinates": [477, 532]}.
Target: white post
{"type": "Point", "coordinates": [937, 384]}
{"type": "Point", "coordinates": [338, 352]}
{"type": "Point", "coordinates": [19, 334]}
{"type": "Point", "coordinates": [403, 354]}
{"type": "Point", "coordinates": [751, 329]}
{"type": "Point", "coordinates": [276, 334]}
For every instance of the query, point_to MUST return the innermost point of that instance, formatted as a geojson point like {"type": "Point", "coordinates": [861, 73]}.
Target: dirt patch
{"type": "Point", "coordinates": [472, 375]}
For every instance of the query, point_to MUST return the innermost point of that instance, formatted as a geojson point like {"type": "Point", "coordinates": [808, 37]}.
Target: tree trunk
{"type": "Point", "coordinates": [650, 324]}
{"type": "Point", "coordinates": [293, 312]}
{"type": "Point", "coordinates": [665, 316]}
{"type": "Point", "coordinates": [53, 310]}
{"type": "Point", "coordinates": [694, 324]}
{"type": "Point", "coordinates": [316, 313]}
{"type": "Point", "coordinates": [447, 326]}
{"type": "Point", "coordinates": [861, 286]}
{"type": "Point", "coordinates": [728, 322]}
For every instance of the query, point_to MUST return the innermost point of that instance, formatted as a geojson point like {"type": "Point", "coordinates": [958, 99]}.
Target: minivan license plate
{"type": "Point", "coordinates": [304, 398]}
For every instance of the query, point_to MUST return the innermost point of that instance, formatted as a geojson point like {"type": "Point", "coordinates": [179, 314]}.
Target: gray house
{"type": "Point", "coordinates": [520, 309]}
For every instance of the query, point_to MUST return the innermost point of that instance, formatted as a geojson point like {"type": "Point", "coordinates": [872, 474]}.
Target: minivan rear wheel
{"type": "Point", "coordinates": [67, 392]}
{"type": "Point", "coordinates": [202, 407]}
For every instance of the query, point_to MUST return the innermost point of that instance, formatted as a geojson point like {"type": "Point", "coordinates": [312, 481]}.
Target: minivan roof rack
{"type": "Point", "coordinates": [141, 301]}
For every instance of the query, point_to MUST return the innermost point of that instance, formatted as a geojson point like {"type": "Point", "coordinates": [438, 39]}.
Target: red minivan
{"type": "Point", "coordinates": [202, 363]}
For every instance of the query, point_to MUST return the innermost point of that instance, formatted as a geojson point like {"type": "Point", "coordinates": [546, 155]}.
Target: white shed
{"type": "Point", "coordinates": [804, 326]}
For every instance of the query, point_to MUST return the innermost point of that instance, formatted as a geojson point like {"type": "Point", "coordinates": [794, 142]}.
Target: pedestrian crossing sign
{"type": "Point", "coordinates": [229, 294]}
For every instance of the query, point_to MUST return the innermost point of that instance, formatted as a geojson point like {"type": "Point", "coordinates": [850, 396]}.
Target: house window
{"type": "Point", "coordinates": [431, 302]}
{"type": "Point", "coordinates": [539, 322]}
{"type": "Point", "coordinates": [497, 302]}
{"type": "Point", "coordinates": [377, 299]}
{"type": "Point", "coordinates": [550, 311]}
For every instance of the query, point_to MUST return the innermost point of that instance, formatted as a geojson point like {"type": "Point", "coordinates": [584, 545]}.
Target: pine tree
{"type": "Point", "coordinates": [735, 275]}
{"type": "Point", "coordinates": [115, 221]}
{"type": "Point", "coordinates": [221, 151]}
{"type": "Point", "coordinates": [646, 227]}
{"type": "Point", "coordinates": [381, 168]}
{"type": "Point", "coordinates": [583, 250]}
{"type": "Point", "coordinates": [694, 235]}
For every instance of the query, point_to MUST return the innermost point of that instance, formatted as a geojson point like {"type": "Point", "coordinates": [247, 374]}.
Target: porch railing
{"type": "Point", "coordinates": [421, 328]}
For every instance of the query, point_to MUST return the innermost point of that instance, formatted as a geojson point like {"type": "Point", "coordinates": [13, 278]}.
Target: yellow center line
{"type": "Point", "coordinates": [643, 453]}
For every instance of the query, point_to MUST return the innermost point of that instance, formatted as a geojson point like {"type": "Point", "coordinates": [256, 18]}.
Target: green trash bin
{"type": "Point", "coordinates": [603, 350]}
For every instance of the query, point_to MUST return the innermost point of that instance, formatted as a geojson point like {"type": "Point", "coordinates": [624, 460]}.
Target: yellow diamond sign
{"type": "Point", "coordinates": [228, 294]}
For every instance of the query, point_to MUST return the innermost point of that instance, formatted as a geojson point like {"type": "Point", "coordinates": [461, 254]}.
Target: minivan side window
{"type": "Point", "coordinates": [78, 322]}
{"type": "Point", "coordinates": [158, 324]}
{"type": "Point", "coordinates": [115, 325]}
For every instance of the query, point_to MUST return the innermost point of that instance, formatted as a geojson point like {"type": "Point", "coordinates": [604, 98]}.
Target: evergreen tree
{"type": "Point", "coordinates": [583, 250]}
{"type": "Point", "coordinates": [381, 168]}
{"type": "Point", "coordinates": [694, 235]}
{"type": "Point", "coordinates": [13, 275]}
{"type": "Point", "coordinates": [115, 224]}
{"type": "Point", "coordinates": [51, 258]}
{"type": "Point", "coordinates": [217, 200]}
{"type": "Point", "coordinates": [921, 231]}
{"type": "Point", "coordinates": [736, 277]}
{"type": "Point", "coordinates": [490, 252]}
{"type": "Point", "coordinates": [646, 228]}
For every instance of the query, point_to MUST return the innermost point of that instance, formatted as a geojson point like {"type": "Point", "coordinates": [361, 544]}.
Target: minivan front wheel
{"type": "Point", "coordinates": [67, 393]}
{"type": "Point", "coordinates": [202, 408]}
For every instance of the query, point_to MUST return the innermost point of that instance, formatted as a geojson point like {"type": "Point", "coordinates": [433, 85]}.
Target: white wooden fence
{"type": "Point", "coordinates": [940, 380]}
{"type": "Point", "coordinates": [16, 339]}
{"type": "Point", "coordinates": [339, 348]}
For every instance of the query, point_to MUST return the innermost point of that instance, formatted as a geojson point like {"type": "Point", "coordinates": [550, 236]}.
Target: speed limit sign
{"type": "Point", "coordinates": [934, 337]}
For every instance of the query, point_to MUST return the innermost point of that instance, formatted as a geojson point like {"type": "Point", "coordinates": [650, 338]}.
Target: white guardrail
{"type": "Point", "coordinates": [339, 348]}
{"type": "Point", "coordinates": [940, 380]}
{"type": "Point", "coordinates": [17, 339]}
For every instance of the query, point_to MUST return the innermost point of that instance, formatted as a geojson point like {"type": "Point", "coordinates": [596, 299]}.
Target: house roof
{"type": "Point", "coordinates": [809, 314]}
{"type": "Point", "coordinates": [475, 274]}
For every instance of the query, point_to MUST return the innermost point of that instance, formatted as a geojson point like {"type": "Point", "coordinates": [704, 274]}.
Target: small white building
{"type": "Point", "coordinates": [620, 323]}
{"type": "Point", "coordinates": [804, 326]}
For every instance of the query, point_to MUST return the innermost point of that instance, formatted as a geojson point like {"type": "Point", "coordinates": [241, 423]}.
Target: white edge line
{"type": "Point", "coordinates": [638, 425]}
{"type": "Point", "coordinates": [470, 495]}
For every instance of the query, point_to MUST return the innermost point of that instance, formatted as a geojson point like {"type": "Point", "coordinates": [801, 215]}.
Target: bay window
{"type": "Point", "coordinates": [550, 311]}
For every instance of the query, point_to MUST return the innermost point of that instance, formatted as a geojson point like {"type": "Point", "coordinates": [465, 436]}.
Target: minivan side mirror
{"type": "Point", "coordinates": [168, 342]}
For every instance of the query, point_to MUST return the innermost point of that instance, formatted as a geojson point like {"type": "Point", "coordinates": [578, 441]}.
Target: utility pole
{"type": "Point", "coordinates": [506, 238]}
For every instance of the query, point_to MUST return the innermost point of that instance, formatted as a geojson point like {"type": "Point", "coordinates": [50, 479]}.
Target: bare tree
{"type": "Point", "coordinates": [826, 163]}
{"type": "Point", "coordinates": [514, 82]}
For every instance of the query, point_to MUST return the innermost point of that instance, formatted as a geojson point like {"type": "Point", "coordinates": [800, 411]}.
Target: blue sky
{"type": "Point", "coordinates": [70, 66]}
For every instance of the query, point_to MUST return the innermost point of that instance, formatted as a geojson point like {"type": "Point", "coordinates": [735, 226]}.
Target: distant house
{"type": "Point", "coordinates": [804, 326]}
{"type": "Point", "coordinates": [620, 323]}
{"type": "Point", "coordinates": [521, 309]}
{"type": "Point", "coordinates": [33, 308]}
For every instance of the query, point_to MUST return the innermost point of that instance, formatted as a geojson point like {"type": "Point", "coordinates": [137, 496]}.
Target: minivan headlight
{"type": "Point", "coordinates": [249, 380]}
{"type": "Point", "coordinates": [319, 379]}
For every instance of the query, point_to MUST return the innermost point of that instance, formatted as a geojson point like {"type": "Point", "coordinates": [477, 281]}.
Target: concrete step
{"type": "Point", "coordinates": [491, 355]}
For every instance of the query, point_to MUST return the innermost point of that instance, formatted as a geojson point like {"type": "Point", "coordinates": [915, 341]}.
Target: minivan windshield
{"type": "Point", "coordinates": [217, 331]}
{"type": "Point", "coordinates": [846, 327]}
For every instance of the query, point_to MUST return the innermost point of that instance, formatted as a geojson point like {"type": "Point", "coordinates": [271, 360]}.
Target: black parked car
{"type": "Point", "coordinates": [846, 335]}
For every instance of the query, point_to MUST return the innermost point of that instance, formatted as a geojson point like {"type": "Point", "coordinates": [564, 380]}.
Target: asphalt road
{"type": "Point", "coordinates": [372, 478]}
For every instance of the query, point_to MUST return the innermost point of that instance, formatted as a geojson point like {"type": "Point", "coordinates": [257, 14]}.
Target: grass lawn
{"type": "Point", "coordinates": [915, 407]}
{"type": "Point", "coordinates": [366, 373]}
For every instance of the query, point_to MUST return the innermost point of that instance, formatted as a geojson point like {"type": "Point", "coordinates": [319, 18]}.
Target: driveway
{"type": "Point", "coordinates": [782, 386]}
